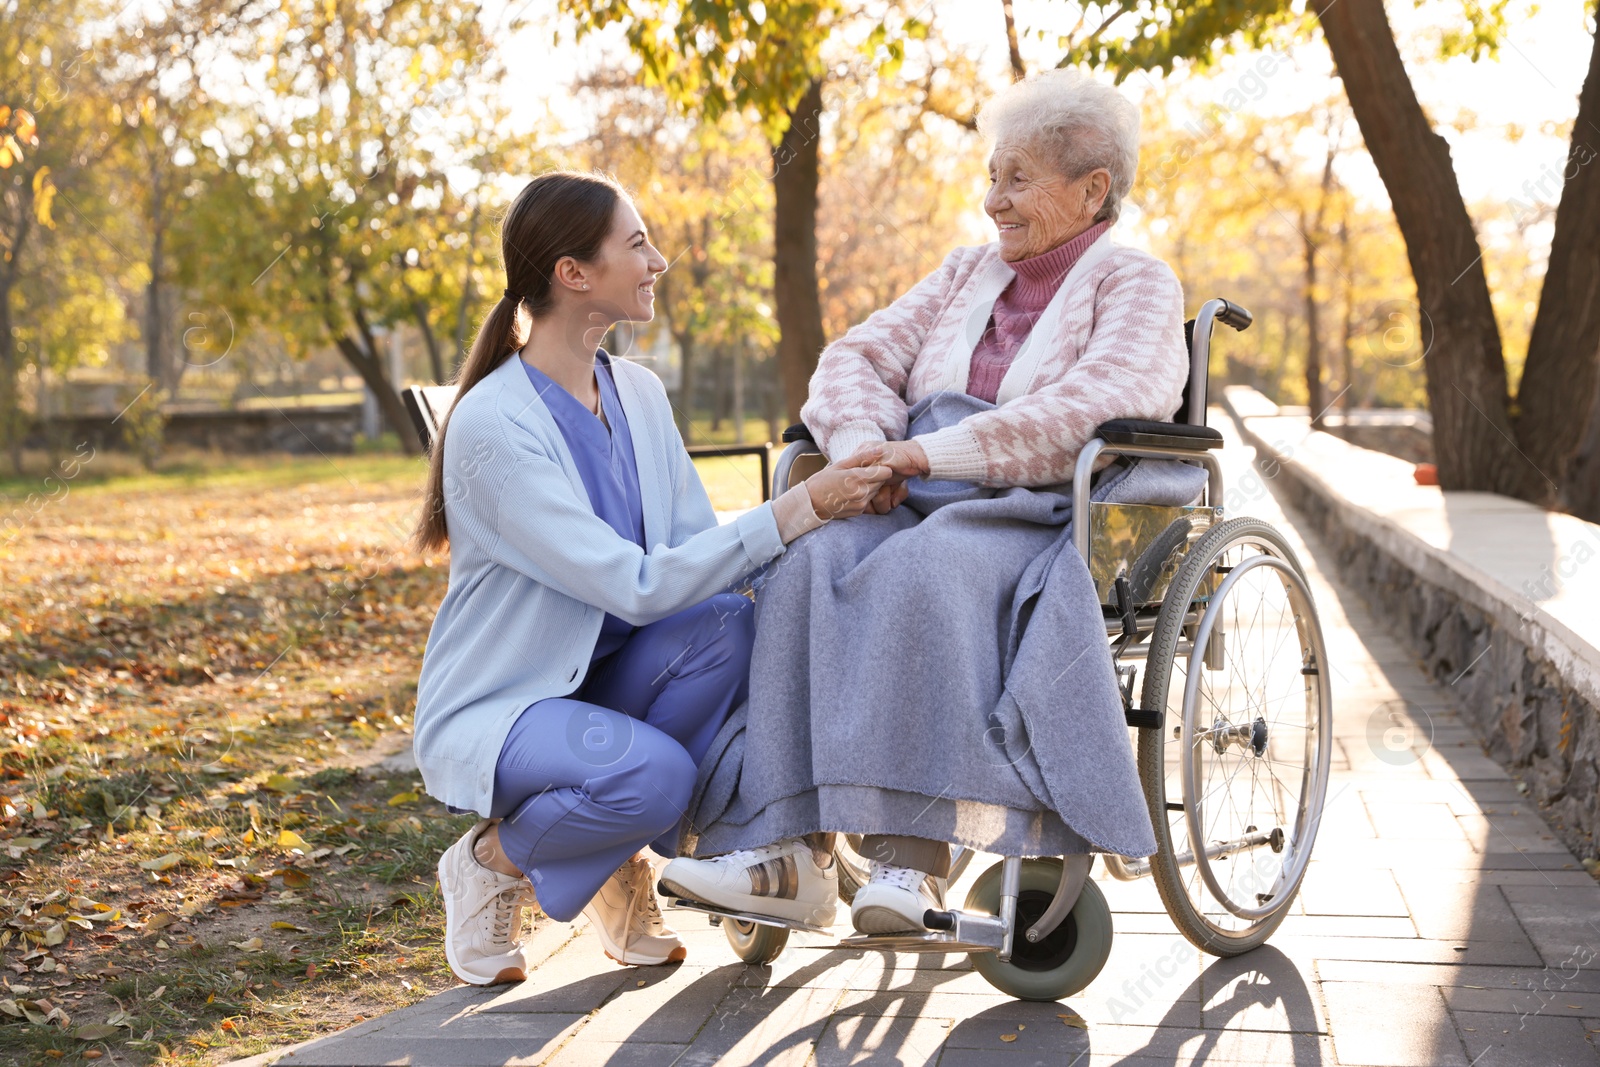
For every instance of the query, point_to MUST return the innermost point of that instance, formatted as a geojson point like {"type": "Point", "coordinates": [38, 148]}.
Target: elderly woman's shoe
{"type": "Point", "coordinates": [781, 880]}
{"type": "Point", "coordinates": [627, 918]}
{"type": "Point", "coordinates": [483, 912]}
{"type": "Point", "coordinates": [895, 900]}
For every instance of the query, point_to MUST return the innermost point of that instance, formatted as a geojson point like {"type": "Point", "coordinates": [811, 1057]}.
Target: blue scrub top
{"type": "Point", "coordinates": [607, 465]}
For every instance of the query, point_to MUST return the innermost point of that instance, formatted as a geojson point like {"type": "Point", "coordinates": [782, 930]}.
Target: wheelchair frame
{"type": "Point", "coordinates": [1134, 627]}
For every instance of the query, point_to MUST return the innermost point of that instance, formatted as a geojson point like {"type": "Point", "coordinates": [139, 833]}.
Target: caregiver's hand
{"type": "Point", "coordinates": [846, 488]}
{"type": "Point", "coordinates": [906, 459]}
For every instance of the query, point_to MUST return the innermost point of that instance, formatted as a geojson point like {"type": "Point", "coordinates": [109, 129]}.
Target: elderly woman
{"type": "Point", "coordinates": [1053, 325]}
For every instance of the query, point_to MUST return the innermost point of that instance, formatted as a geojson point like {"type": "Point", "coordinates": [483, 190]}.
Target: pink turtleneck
{"type": "Point", "coordinates": [1019, 307]}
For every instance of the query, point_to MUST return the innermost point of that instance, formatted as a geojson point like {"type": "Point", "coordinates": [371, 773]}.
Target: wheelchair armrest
{"type": "Point", "coordinates": [797, 432]}
{"type": "Point", "coordinates": [1160, 434]}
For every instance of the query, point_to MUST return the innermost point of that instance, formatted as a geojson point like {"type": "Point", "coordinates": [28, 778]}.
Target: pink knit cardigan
{"type": "Point", "coordinates": [1109, 345]}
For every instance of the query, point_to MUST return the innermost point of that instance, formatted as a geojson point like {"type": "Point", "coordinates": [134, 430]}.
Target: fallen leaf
{"type": "Point", "coordinates": [92, 1053]}
{"type": "Point", "coordinates": [290, 839]}
{"type": "Point", "coordinates": [162, 863]}
{"type": "Point", "coordinates": [403, 798]}
{"type": "Point", "coordinates": [311, 970]}
{"type": "Point", "coordinates": [160, 989]}
{"type": "Point", "coordinates": [56, 934]}
{"type": "Point", "coordinates": [1074, 1020]}
{"type": "Point", "coordinates": [289, 926]}
{"type": "Point", "coordinates": [160, 920]}
{"type": "Point", "coordinates": [296, 879]}
{"type": "Point", "coordinates": [279, 783]}
{"type": "Point", "coordinates": [28, 842]}
{"type": "Point", "coordinates": [255, 944]}
{"type": "Point", "coordinates": [1008, 1037]}
{"type": "Point", "coordinates": [96, 1032]}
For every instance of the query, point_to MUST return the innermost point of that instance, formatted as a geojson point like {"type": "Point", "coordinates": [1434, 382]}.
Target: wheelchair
{"type": "Point", "coordinates": [1232, 727]}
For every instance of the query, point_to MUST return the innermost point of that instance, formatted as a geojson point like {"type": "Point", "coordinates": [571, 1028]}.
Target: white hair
{"type": "Point", "coordinates": [1080, 123]}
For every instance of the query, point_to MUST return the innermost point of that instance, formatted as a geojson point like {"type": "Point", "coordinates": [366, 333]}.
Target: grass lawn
{"type": "Point", "coordinates": [201, 856]}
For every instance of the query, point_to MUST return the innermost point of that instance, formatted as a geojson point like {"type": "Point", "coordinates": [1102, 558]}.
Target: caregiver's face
{"type": "Point", "coordinates": [1035, 206]}
{"type": "Point", "coordinates": [624, 275]}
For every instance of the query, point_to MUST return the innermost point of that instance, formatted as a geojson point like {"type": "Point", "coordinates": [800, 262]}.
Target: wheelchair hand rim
{"type": "Point", "coordinates": [1314, 781]}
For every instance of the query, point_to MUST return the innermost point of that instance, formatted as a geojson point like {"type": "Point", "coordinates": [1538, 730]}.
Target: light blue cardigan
{"type": "Point", "coordinates": [533, 570]}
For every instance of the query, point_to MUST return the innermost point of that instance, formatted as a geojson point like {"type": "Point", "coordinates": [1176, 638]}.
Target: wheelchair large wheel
{"type": "Point", "coordinates": [1237, 775]}
{"type": "Point", "coordinates": [1061, 964]}
{"type": "Point", "coordinates": [754, 943]}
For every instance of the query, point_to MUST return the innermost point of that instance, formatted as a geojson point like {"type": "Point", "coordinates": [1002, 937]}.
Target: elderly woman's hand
{"type": "Point", "coordinates": [905, 458]}
{"type": "Point", "coordinates": [847, 488]}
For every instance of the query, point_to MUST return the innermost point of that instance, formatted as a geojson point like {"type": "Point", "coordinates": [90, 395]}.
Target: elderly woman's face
{"type": "Point", "coordinates": [1034, 205]}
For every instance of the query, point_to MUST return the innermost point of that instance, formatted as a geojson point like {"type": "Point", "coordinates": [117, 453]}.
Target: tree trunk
{"type": "Point", "coordinates": [435, 363]}
{"type": "Point", "coordinates": [1018, 71]}
{"type": "Point", "coordinates": [738, 393]}
{"type": "Point", "coordinates": [1466, 375]}
{"type": "Point", "coordinates": [684, 410]}
{"type": "Point", "coordinates": [156, 362]}
{"type": "Point", "coordinates": [369, 364]}
{"type": "Point", "coordinates": [1313, 328]}
{"type": "Point", "coordinates": [770, 404]}
{"type": "Point", "coordinates": [1557, 410]}
{"type": "Point", "coordinates": [10, 401]}
{"type": "Point", "coordinates": [1582, 485]}
{"type": "Point", "coordinates": [466, 295]}
{"type": "Point", "coordinates": [794, 252]}
{"type": "Point", "coordinates": [1347, 339]}
{"type": "Point", "coordinates": [719, 387]}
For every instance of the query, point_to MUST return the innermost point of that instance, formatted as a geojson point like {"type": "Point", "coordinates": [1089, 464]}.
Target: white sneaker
{"type": "Point", "coordinates": [482, 915]}
{"type": "Point", "coordinates": [627, 917]}
{"type": "Point", "coordinates": [895, 899]}
{"type": "Point", "coordinates": [781, 880]}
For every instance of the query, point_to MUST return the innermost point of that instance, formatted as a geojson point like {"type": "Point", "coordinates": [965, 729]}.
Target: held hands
{"type": "Point", "coordinates": [847, 488]}
{"type": "Point", "coordinates": [906, 459]}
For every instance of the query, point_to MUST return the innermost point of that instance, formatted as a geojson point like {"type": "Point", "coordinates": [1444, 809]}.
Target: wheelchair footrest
{"type": "Point", "coordinates": [674, 901]}
{"type": "Point", "coordinates": [1143, 718]}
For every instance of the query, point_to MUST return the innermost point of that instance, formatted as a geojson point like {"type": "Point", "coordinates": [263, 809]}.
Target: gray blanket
{"type": "Point", "coordinates": [941, 671]}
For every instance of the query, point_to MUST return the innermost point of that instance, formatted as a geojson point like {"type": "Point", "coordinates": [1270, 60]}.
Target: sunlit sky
{"type": "Point", "coordinates": [1531, 85]}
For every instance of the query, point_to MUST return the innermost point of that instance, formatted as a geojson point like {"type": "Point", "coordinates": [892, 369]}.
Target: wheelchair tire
{"type": "Point", "coordinates": [1217, 900]}
{"type": "Point", "coordinates": [1063, 963]}
{"type": "Point", "coordinates": [754, 943]}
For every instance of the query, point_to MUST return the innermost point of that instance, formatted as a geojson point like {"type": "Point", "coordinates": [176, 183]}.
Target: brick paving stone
{"type": "Point", "coordinates": [669, 1010]}
{"type": "Point", "coordinates": [1535, 1041]}
{"type": "Point", "coordinates": [580, 1052]}
{"type": "Point", "coordinates": [911, 1040]}
{"type": "Point", "coordinates": [1331, 890]}
{"type": "Point", "coordinates": [777, 1029]}
{"type": "Point", "coordinates": [1391, 1026]}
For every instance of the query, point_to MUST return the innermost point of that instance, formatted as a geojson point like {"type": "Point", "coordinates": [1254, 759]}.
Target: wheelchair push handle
{"type": "Point", "coordinates": [1234, 315]}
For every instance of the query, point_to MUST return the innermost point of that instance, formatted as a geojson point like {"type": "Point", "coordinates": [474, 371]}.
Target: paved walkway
{"type": "Point", "coordinates": [1440, 923]}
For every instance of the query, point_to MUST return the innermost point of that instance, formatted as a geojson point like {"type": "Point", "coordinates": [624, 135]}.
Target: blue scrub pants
{"type": "Point", "coordinates": [585, 781]}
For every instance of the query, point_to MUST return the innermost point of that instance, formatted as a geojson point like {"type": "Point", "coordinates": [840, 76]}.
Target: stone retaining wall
{"type": "Point", "coordinates": [1532, 697]}
{"type": "Point", "coordinates": [327, 430]}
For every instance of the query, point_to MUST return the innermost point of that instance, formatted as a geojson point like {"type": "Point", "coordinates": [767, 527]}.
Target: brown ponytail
{"type": "Point", "coordinates": [556, 215]}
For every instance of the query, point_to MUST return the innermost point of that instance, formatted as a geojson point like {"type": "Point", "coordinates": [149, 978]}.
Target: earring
{"type": "Point", "coordinates": [586, 285]}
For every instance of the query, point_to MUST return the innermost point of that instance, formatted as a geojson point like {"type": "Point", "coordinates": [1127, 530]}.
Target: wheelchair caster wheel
{"type": "Point", "coordinates": [754, 943]}
{"type": "Point", "coordinates": [1061, 964]}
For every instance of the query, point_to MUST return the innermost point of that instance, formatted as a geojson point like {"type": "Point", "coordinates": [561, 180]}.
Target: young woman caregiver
{"type": "Point", "coordinates": [586, 652]}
